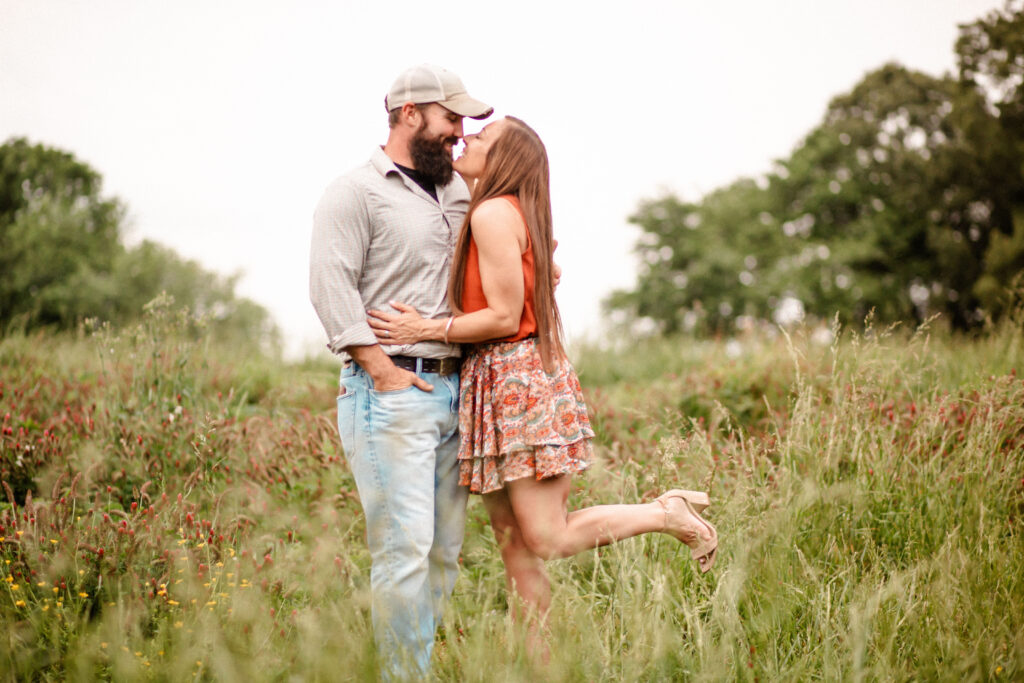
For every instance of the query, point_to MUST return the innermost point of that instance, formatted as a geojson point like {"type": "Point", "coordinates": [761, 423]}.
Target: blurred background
{"type": "Point", "coordinates": [714, 168]}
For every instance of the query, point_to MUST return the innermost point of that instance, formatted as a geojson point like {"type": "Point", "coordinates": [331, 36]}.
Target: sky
{"type": "Point", "coordinates": [219, 124]}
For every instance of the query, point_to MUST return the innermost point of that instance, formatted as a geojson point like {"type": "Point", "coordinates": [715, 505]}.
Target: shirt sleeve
{"type": "Point", "coordinates": [341, 237]}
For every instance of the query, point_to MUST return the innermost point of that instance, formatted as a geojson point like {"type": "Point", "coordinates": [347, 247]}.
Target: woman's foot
{"type": "Point", "coordinates": [684, 523]}
{"type": "Point", "coordinates": [699, 500]}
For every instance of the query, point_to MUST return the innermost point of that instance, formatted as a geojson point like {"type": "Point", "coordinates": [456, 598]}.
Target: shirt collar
{"type": "Point", "coordinates": [382, 162]}
{"type": "Point", "coordinates": [384, 165]}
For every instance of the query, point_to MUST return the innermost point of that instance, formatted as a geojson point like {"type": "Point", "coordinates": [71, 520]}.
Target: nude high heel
{"type": "Point", "coordinates": [704, 550]}
{"type": "Point", "coordinates": [698, 499]}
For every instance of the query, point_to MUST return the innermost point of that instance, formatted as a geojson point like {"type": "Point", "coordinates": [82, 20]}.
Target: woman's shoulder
{"type": "Point", "coordinates": [505, 207]}
{"type": "Point", "coordinates": [499, 215]}
{"type": "Point", "coordinates": [498, 212]}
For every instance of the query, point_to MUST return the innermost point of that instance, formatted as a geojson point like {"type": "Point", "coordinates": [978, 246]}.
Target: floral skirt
{"type": "Point", "coordinates": [518, 421]}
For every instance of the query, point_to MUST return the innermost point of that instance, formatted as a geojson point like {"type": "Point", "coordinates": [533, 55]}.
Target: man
{"type": "Point", "coordinates": [385, 232]}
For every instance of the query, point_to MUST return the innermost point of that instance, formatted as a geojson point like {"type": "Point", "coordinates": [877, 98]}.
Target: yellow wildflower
{"type": "Point", "coordinates": [83, 595]}
{"type": "Point", "coordinates": [19, 603]}
{"type": "Point", "coordinates": [15, 587]}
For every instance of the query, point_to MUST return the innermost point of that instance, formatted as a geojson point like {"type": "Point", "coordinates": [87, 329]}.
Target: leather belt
{"type": "Point", "coordinates": [440, 366]}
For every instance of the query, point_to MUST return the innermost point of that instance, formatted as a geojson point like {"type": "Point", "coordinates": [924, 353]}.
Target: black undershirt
{"type": "Point", "coordinates": [419, 179]}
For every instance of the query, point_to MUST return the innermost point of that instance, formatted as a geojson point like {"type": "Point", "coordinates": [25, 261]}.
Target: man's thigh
{"type": "Point", "coordinates": [391, 441]}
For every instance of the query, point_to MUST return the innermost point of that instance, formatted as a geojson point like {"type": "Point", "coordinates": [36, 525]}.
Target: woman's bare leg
{"type": "Point", "coordinates": [551, 532]}
{"type": "Point", "coordinates": [532, 524]}
{"type": "Point", "coordinates": [528, 584]}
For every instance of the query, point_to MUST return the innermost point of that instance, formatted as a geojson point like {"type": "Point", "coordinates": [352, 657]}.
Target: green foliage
{"type": "Point", "coordinates": [63, 260]}
{"type": "Point", "coordinates": [902, 201]}
{"type": "Point", "coordinates": [59, 238]}
{"type": "Point", "coordinates": [177, 510]}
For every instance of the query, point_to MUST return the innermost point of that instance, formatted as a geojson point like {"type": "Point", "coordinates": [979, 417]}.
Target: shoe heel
{"type": "Point", "coordinates": [706, 551]}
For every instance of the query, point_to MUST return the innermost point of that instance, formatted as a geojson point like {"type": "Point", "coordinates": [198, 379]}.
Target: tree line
{"type": "Point", "coordinates": [906, 200]}
{"type": "Point", "coordinates": [62, 256]}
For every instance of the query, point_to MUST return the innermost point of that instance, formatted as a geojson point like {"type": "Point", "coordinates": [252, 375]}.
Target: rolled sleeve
{"type": "Point", "coordinates": [341, 233]}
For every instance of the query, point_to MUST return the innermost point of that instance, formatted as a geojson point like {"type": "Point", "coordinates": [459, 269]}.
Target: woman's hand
{"type": "Point", "coordinates": [405, 327]}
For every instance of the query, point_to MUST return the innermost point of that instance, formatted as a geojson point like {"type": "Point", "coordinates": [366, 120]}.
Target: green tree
{"type": "Point", "coordinates": [902, 201]}
{"type": "Point", "coordinates": [702, 264]}
{"type": "Point", "coordinates": [59, 237]}
{"type": "Point", "coordinates": [62, 259]}
{"type": "Point", "coordinates": [990, 56]}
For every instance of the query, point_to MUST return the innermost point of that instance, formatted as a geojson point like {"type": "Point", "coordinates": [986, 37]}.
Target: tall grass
{"type": "Point", "coordinates": [176, 511]}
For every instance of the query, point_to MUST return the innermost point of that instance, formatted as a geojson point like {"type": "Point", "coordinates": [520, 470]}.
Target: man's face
{"type": "Point", "coordinates": [431, 146]}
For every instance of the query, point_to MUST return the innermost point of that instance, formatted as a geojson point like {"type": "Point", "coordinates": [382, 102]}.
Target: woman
{"type": "Point", "coordinates": [524, 426]}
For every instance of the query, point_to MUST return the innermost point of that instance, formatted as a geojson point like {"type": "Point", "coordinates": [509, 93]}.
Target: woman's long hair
{"type": "Point", "coordinates": [517, 164]}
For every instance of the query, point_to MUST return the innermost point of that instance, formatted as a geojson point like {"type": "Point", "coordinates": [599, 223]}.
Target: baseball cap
{"type": "Point", "coordinates": [425, 83]}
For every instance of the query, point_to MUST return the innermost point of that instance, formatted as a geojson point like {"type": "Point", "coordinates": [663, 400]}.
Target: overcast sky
{"type": "Point", "coordinates": [220, 123]}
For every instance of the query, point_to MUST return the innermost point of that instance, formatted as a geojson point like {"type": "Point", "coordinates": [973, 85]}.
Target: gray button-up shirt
{"type": "Point", "coordinates": [378, 237]}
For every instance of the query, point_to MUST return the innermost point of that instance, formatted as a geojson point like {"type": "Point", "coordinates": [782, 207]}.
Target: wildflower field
{"type": "Point", "coordinates": [174, 510]}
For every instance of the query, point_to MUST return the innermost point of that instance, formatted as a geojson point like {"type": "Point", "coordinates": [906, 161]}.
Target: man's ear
{"type": "Point", "coordinates": [411, 114]}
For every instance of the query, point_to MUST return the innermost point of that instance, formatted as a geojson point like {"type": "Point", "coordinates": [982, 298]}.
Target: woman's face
{"type": "Point", "coordinates": [474, 155]}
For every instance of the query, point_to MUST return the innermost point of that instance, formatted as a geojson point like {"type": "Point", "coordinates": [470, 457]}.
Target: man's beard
{"type": "Point", "coordinates": [431, 158]}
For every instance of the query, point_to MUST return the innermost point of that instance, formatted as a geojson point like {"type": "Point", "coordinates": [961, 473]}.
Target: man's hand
{"type": "Point", "coordinates": [397, 379]}
{"type": "Point", "coordinates": [385, 374]}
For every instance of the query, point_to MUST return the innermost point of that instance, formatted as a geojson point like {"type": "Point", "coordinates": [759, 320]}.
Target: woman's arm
{"type": "Point", "coordinates": [500, 236]}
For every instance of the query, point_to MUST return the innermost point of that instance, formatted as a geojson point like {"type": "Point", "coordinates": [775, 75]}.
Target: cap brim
{"type": "Point", "coordinates": [464, 105]}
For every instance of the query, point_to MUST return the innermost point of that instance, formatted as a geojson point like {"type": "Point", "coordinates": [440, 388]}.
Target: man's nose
{"type": "Point", "coordinates": [458, 129]}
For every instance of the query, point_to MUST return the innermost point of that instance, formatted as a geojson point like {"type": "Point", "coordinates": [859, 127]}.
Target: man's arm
{"type": "Point", "coordinates": [341, 236]}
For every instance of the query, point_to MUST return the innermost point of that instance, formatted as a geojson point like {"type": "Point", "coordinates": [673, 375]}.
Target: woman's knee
{"type": "Point", "coordinates": [542, 542]}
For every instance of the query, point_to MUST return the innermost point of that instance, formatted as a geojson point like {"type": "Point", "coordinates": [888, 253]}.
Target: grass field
{"type": "Point", "coordinates": [176, 511]}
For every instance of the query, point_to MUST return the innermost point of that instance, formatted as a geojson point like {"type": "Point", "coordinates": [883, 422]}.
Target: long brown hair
{"type": "Point", "coordinates": [517, 164]}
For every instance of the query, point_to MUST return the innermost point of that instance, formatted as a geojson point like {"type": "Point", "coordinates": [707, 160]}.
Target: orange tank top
{"type": "Point", "coordinates": [473, 298]}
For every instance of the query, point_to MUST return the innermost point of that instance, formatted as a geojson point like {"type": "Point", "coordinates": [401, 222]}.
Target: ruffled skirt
{"type": "Point", "coordinates": [518, 421]}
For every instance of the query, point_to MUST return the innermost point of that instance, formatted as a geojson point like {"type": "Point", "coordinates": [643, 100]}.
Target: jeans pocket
{"type": "Point", "coordinates": [347, 421]}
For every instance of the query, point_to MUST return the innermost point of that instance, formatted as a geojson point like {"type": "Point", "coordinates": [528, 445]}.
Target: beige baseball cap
{"type": "Point", "coordinates": [425, 83]}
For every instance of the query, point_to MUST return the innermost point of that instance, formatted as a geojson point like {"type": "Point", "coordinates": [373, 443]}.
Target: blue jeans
{"type": "Point", "coordinates": [402, 448]}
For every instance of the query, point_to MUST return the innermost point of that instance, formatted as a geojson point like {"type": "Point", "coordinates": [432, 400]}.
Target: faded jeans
{"type": "Point", "coordinates": [402, 448]}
